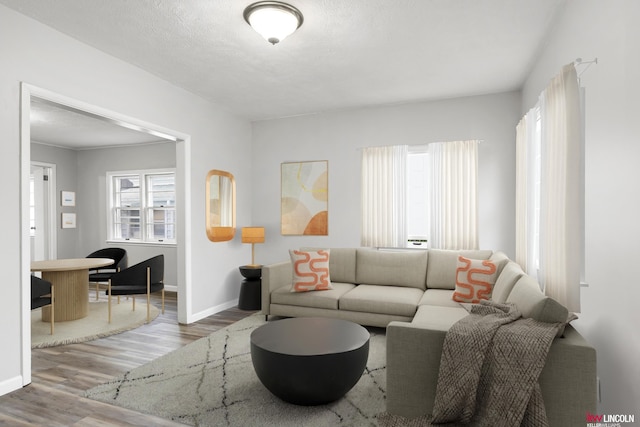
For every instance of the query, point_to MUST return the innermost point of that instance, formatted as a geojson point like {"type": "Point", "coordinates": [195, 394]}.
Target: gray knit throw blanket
{"type": "Point", "coordinates": [489, 369]}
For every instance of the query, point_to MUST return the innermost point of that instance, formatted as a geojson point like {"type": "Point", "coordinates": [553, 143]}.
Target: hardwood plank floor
{"type": "Point", "coordinates": [61, 374]}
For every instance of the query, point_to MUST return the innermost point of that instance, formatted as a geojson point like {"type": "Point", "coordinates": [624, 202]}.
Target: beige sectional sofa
{"type": "Point", "coordinates": [410, 293]}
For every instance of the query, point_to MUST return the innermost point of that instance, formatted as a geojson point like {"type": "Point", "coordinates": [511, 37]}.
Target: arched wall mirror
{"type": "Point", "coordinates": [220, 217]}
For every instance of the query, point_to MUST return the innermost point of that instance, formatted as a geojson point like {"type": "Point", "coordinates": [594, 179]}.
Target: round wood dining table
{"type": "Point", "coordinates": [70, 278]}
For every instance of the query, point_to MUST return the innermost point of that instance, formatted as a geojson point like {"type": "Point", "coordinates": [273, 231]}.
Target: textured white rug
{"type": "Point", "coordinates": [94, 326]}
{"type": "Point", "coordinates": [211, 382]}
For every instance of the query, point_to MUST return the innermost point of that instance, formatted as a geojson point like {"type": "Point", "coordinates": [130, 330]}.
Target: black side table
{"type": "Point", "coordinates": [251, 288]}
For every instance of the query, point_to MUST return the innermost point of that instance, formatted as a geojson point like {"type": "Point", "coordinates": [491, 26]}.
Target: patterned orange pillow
{"type": "Point", "coordinates": [310, 270]}
{"type": "Point", "coordinates": [474, 280]}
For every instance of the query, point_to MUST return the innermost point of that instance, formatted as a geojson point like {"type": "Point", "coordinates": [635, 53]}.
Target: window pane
{"type": "Point", "coordinates": [161, 190]}
{"type": "Point", "coordinates": [127, 191]}
{"type": "Point", "coordinates": [127, 224]}
{"type": "Point", "coordinates": [129, 215]}
{"type": "Point", "coordinates": [161, 224]}
{"type": "Point", "coordinates": [128, 231]}
{"type": "Point", "coordinates": [163, 232]}
{"type": "Point", "coordinates": [417, 198]}
{"type": "Point", "coordinates": [130, 198]}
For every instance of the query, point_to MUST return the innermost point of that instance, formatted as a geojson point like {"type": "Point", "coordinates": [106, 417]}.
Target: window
{"type": "Point", "coordinates": [417, 197]}
{"type": "Point", "coordinates": [428, 192]}
{"type": "Point", "coordinates": [142, 206]}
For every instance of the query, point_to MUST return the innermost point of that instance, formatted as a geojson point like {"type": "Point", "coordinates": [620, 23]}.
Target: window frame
{"type": "Point", "coordinates": [145, 208]}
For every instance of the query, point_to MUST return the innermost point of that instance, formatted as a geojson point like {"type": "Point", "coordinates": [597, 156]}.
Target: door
{"type": "Point", "coordinates": [42, 211]}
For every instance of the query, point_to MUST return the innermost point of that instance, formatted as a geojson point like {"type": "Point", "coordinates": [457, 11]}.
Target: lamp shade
{"type": "Point", "coordinates": [273, 20]}
{"type": "Point", "coordinates": [253, 235]}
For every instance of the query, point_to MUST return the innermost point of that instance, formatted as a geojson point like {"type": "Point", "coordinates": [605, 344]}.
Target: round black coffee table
{"type": "Point", "coordinates": [309, 360]}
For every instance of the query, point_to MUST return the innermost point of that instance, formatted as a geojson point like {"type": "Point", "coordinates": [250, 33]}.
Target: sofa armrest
{"type": "Point", "coordinates": [273, 277]}
{"type": "Point", "coordinates": [413, 362]}
{"type": "Point", "coordinates": [568, 380]}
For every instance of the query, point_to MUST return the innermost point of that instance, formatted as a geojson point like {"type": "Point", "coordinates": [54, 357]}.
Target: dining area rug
{"type": "Point", "coordinates": [211, 382]}
{"type": "Point", "coordinates": [94, 326]}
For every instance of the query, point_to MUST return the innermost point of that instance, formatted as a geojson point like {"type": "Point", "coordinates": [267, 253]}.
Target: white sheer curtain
{"type": "Point", "coordinates": [527, 191]}
{"type": "Point", "coordinates": [454, 201]}
{"type": "Point", "coordinates": [384, 203]}
{"type": "Point", "coordinates": [560, 216]}
{"type": "Point", "coordinates": [548, 189]}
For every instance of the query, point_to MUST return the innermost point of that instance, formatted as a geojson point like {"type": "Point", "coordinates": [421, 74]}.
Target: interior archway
{"type": "Point", "coordinates": [182, 141]}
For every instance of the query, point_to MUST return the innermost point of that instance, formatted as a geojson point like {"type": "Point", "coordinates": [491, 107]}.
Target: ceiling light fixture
{"type": "Point", "coordinates": [273, 20]}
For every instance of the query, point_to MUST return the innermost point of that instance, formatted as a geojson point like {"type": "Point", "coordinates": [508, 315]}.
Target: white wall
{"type": "Point", "coordinates": [36, 54]}
{"type": "Point", "coordinates": [609, 319]}
{"type": "Point", "coordinates": [338, 136]}
{"type": "Point", "coordinates": [92, 199]}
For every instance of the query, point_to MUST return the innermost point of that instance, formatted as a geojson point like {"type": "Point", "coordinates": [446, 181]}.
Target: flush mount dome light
{"type": "Point", "coordinates": [273, 20]}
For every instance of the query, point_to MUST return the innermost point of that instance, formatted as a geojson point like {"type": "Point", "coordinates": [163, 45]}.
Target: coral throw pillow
{"type": "Point", "coordinates": [310, 270]}
{"type": "Point", "coordinates": [474, 280]}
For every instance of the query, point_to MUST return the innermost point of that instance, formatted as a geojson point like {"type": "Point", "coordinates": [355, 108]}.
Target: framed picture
{"type": "Point", "coordinates": [68, 198]}
{"type": "Point", "coordinates": [305, 198]}
{"type": "Point", "coordinates": [68, 220]}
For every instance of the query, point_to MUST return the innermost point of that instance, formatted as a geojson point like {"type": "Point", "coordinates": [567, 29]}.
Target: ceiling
{"type": "Point", "coordinates": [347, 54]}
{"type": "Point", "coordinates": [63, 126]}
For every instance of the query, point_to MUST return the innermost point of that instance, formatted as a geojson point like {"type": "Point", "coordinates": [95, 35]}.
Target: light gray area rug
{"type": "Point", "coordinates": [211, 382]}
{"type": "Point", "coordinates": [92, 327]}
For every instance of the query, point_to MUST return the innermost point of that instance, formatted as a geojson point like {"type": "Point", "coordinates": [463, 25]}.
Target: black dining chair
{"type": "Point", "coordinates": [145, 277]}
{"type": "Point", "coordinates": [42, 296]}
{"type": "Point", "coordinates": [103, 274]}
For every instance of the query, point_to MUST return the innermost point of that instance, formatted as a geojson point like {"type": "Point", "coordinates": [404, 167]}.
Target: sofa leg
{"type": "Point", "coordinates": [266, 317]}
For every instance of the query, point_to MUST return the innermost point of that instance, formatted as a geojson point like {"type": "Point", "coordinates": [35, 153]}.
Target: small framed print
{"type": "Point", "coordinates": [68, 198]}
{"type": "Point", "coordinates": [68, 220]}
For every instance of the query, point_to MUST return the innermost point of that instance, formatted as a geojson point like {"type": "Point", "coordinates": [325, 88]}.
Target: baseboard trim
{"type": "Point", "coordinates": [213, 310]}
{"type": "Point", "coordinates": [12, 384]}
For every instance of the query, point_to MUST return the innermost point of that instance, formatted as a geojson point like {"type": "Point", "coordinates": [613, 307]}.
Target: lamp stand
{"type": "Point", "coordinates": [253, 257]}
{"type": "Point", "coordinates": [253, 254]}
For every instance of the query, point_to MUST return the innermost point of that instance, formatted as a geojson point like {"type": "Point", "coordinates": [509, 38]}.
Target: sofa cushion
{"type": "Point", "coordinates": [342, 264]}
{"type": "Point", "coordinates": [441, 271]}
{"type": "Point", "coordinates": [325, 299]}
{"type": "Point", "coordinates": [440, 297]}
{"type": "Point", "coordinates": [531, 302]}
{"type": "Point", "coordinates": [395, 300]}
{"type": "Point", "coordinates": [391, 268]}
{"type": "Point", "coordinates": [310, 270]}
{"type": "Point", "coordinates": [437, 317]}
{"type": "Point", "coordinates": [500, 259]}
{"type": "Point", "coordinates": [506, 281]}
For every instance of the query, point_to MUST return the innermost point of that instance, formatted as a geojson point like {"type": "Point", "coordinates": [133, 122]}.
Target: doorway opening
{"type": "Point", "coordinates": [30, 93]}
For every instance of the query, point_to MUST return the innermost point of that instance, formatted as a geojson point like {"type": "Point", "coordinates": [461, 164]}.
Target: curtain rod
{"type": "Point", "coordinates": [579, 61]}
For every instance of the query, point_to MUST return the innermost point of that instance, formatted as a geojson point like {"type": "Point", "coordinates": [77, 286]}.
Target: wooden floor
{"type": "Point", "coordinates": [61, 374]}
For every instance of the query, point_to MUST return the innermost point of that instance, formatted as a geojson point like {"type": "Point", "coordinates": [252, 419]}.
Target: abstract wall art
{"type": "Point", "coordinates": [305, 198]}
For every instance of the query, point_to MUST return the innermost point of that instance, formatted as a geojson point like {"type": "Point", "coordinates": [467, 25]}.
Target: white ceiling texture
{"type": "Point", "coordinates": [347, 54]}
